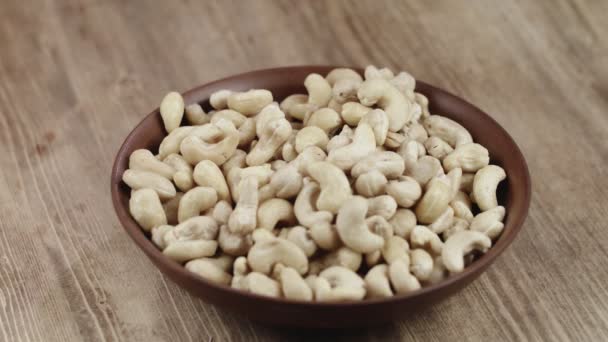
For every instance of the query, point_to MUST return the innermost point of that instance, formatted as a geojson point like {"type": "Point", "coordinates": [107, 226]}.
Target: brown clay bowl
{"type": "Point", "coordinates": [514, 194]}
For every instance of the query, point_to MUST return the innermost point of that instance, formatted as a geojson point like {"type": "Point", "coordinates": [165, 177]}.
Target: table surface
{"type": "Point", "coordinates": [77, 76]}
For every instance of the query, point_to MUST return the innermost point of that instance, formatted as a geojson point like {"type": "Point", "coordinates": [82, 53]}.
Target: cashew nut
{"type": "Point", "coordinates": [326, 119]}
{"type": "Point", "coordinates": [371, 72]}
{"type": "Point", "coordinates": [300, 236]}
{"type": "Point", "coordinates": [415, 131]}
{"type": "Point", "coordinates": [236, 161]}
{"type": "Point", "coordinates": [196, 115]}
{"type": "Point", "coordinates": [370, 184]}
{"type": "Point", "coordinates": [344, 138]}
{"type": "Point", "coordinates": [260, 284]}
{"type": "Point", "coordinates": [285, 183]}
{"type": "Point", "coordinates": [401, 278]}
{"type": "Point", "coordinates": [342, 74]}
{"type": "Point", "coordinates": [246, 126]}
{"type": "Point", "coordinates": [170, 144]}
{"type": "Point", "coordinates": [462, 206]}
{"type": "Point", "coordinates": [406, 84]}
{"type": "Point", "coordinates": [353, 112]}
{"type": "Point", "coordinates": [265, 254]}
{"type": "Point", "coordinates": [335, 188]}
{"type": "Point", "coordinates": [466, 182]}
{"type": "Point", "coordinates": [244, 217]}
{"type": "Point", "coordinates": [137, 179]}
{"type": "Point", "coordinates": [250, 102]}
{"type": "Point", "coordinates": [144, 160]}
{"type": "Point", "coordinates": [212, 269]}
{"type": "Point", "coordinates": [390, 164]}
{"type": "Point", "coordinates": [206, 173]}
{"type": "Point", "coordinates": [484, 186]}
{"type": "Point", "coordinates": [383, 94]}
{"type": "Point", "coordinates": [423, 101]}
{"type": "Point", "coordinates": [234, 244]}
{"type": "Point", "coordinates": [293, 285]}
{"type": "Point", "coordinates": [377, 283]}
{"type": "Point", "coordinates": [319, 222]}
{"type": "Point", "coordinates": [364, 142]}
{"type": "Point", "coordinates": [439, 271]}
{"type": "Point", "coordinates": [394, 249]}
{"type": "Point", "coordinates": [421, 264]}
{"type": "Point", "coordinates": [146, 209]}
{"type": "Point", "coordinates": [219, 99]}
{"type": "Point", "coordinates": [183, 171]}
{"type": "Point", "coordinates": [458, 225]}
{"type": "Point", "coordinates": [273, 211]}
{"type": "Point", "coordinates": [394, 140]}
{"type": "Point", "coordinates": [345, 90]}
{"type": "Point", "coordinates": [310, 136]}
{"type": "Point", "coordinates": [171, 207]}
{"type": "Point", "coordinates": [261, 172]}
{"type": "Point", "coordinates": [448, 130]}
{"type": "Point", "coordinates": [443, 222]}
{"type": "Point", "coordinates": [461, 244]}
{"type": "Point", "coordinates": [469, 157]}
{"type": "Point", "coordinates": [384, 206]}
{"type": "Point", "coordinates": [195, 201]}
{"type": "Point", "coordinates": [272, 136]}
{"type": "Point", "coordinates": [403, 222]}
{"type": "Point", "coordinates": [291, 100]}
{"type": "Point", "coordinates": [191, 239]}
{"type": "Point", "coordinates": [353, 228]}
{"type": "Point", "coordinates": [221, 212]}
{"type": "Point", "coordinates": [373, 258]}
{"type": "Point", "coordinates": [489, 222]}
{"type": "Point", "coordinates": [437, 148]}
{"type": "Point", "coordinates": [194, 148]}
{"type": "Point", "coordinates": [406, 191]}
{"type": "Point", "coordinates": [434, 202]}
{"type": "Point", "coordinates": [423, 237]}
{"type": "Point", "coordinates": [172, 110]}
{"type": "Point", "coordinates": [338, 283]}
{"type": "Point", "coordinates": [158, 235]}
{"type": "Point", "coordinates": [344, 257]}
{"type": "Point", "coordinates": [319, 90]}
{"type": "Point", "coordinates": [424, 169]}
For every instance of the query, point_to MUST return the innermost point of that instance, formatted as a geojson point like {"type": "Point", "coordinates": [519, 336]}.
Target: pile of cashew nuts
{"type": "Point", "coordinates": [354, 190]}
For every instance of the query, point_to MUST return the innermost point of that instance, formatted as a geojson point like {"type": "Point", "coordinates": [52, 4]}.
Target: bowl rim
{"type": "Point", "coordinates": [140, 238]}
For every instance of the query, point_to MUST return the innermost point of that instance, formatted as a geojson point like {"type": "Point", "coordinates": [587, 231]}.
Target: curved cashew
{"type": "Point", "coordinates": [268, 114]}
{"type": "Point", "coordinates": [291, 100]}
{"type": "Point", "coordinates": [353, 228]}
{"type": "Point", "coordinates": [285, 183]}
{"type": "Point", "coordinates": [194, 148]}
{"type": "Point", "coordinates": [424, 169]}
{"type": "Point", "coordinates": [489, 222]}
{"type": "Point", "coordinates": [395, 248]}
{"type": "Point", "coordinates": [437, 148]}
{"type": "Point", "coordinates": [443, 222]}
{"type": "Point", "coordinates": [344, 138]}
{"type": "Point", "coordinates": [390, 164]}
{"type": "Point", "coordinates": [260, 235]}
{"type": "Point", "coordinates": [371, 72]}
{"type": "Point", "coordinates": [136, 180]}
{"type": "Point", "coordinates": [196, 115]}
{"type": "Point", "coordinates": [345, 90]}
{"type": "Point", "coordinates": [384, 206]}
{"type": "Point", "coordinates": [319, 90]}
{"type": "Point", "coordinates": [415, 131]}
{"type": "Point", "coordinates": [484, 186]}
{"type": "Point", "coordinates": [434, 202]}
{"type": "Point", "coordinates": [466, 182]}
{"type": "Point", "coordinates": [338, 283]}
{"type": "Point", "coordinates": [373, 258]}
{"type": "Point", "coordinates": [377, 283]}
{"type": "Point", "coordinates": [310, 136]}
{"type": "Point", "coordinates": [405, 83]}
{"type": "Point", "coordinates": [462, 206]}
{"type": "Point", "coordinates": [370, 184]}
{"type": "Point", "coordinates": [221, 212]}
{"type": "Point", "coordinates": [206, 173]}
{"type": "Point", "coordinates": [364, 142]}
{"type": "Point", "coordinates": [310, 155]}
{"type": "Point", "coordinates": [244, 217]}
{"type": "Point", "coordinates": [170, 143]}
{"type": "Point", "coordinates": [423, 237]}
{"type": "Point", "coordinates": [171, 206]}
{"type": "Point", "coordinates": [406, 191]}
{"type": "Point", "coordinates": [403, 222]}
{"type": "Point", "coordinates": [421, 264]}
{"type": "Point", "coordinates": [344, 257]}
{"type": "Point", "coordinates": [273, 135]}
{"type": "Point", "coordinates": [195, 201]}
{"type": "Point", "coordinates": [144, 160]}
{"type": "Point", "coordinates": [212, 269]}
{"type": "Point", "coordinates": [273, 211]}
{"type": "Point", "coordinates": [236, 161]}
{"type": "Point", "coordinates": [261, 172]}
{"type": "Point", "coordinates": [219, 99]}
{"type": "Point", "coordinates": [246, 126]}
{"type": "Point", "coordinates": [293, 285]}
{"type": "Point", "coordinates": [146, 209]}
{"type": "Point", "coordinates": [300, 236]}
{"type": "Point", "coordinates": [342, 74]}
{"type": "Point", "coordinates": [319, 222]}
{"type": "Point", "coordinates": [383, 94]}
{"type": "Point", "coordinates": [260, 284]}
{"type": "Point", "coordinates": [326, 119]}
{"type": "Point", "coordinates": [353, 112]}
{"type": "Point", "coordinates": [447, 129]}
{"type": "Point", "coordinates": [335, 188]}
{"type": "Point", "coordinates": [458, 225]}
{"type": "Point", "coordinates": [459, 245]}
{"type": "Point", "coordinates": [191, 239]}
{"type": "Point", "coordinates": [250, 102]}
{"type": "Point", "coordinates": [265, 254]}
{"type": "Point", "coordinates": [158, 235]}
{"type": "Point", "coordinates": [469, 157]}
{"type": "Point", "coordinates": [423, 102]}
{"type": "Point", "coordinates": [335, 106]}
{"type": "Point", "coordinates": [172, 110]}
{"type": "Point", "coordinates": [401, 278]}
{"type": "Point", "coordinates": [234, 244]}
{"type": "Point", "coordinates": [181, 251]}
{"type": "Point", "coordinates": [439, 271]}
{"type": "Point", "coordinates": [183, 171]}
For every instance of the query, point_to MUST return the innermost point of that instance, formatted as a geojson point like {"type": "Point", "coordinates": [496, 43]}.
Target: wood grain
{"type": "Point", "coordinates": [76, 76]}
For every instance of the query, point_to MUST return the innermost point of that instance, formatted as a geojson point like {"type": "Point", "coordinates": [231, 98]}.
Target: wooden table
{"type": "Point", "coordinates": [77, 76]}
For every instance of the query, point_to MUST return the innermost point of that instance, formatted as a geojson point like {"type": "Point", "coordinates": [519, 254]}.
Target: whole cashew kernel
{"type": "Point", "coordinates": [403, 222]}
{"type": "Point", "coordinates": [466, 182]}
{"type": "Point", "coordinates": [146, 209]}
{"type": "Point", "coordinates": [344, 138]}
{"type": "Point", "coordinates": [310, 136]}
{"type": "Point", "coordinates": [390, 164]}
{"type": "Point", "coordinates": [300, 236]}
{"type": "Point", "coordinates": [423, 237]}
{"type": "Point", "coordinates": [406, 191]}
{"type": "Point", "coordinates": [170, 144]}
{"type": "Point", "coordinates": [144, 160]}
{"type": "Point", "coordinates": [439, 271]}
{"type": "Point", "coordinates": [370, 184]}
{"type": "Point", "coordinates": [345, 90]}
{"type": "Point", "coordinates": [326, 119]}
{"type": "Point", "coordinates": [319, 222]}
{"type": "Point", "coordinates": [194, 148]}
{"type": "Point", "coordinates": [291, 100]}
{"type": "Point", "coordinates": [353, 112]}
{"type": "Point", "coordinates": [293, 285]}
{"type": "Point", "coordinates": [447, 129]}
{"type": "Point", "coordinates": [263, 256]}
{"type": "Point", "coordinates": [158, 235]}
{"type": "Point", "coordinates": [195, 201]}
{"type": "Point", "coordinates": [335, 188]}
{"type": "Point", "coordinates": [273, 211]}
{"type": "Point", "coordinates": [261, 172]}
{"type": "Point", "coordinates": [421, 264]}
{"type": "Point", "coordinates": [171, 207]}
{"type": "Point", "coordinates": [401, 278]}
{"type": "Point", "coordinates": [285, 183]}
{"type": "Point", "coordinates": [319, 90]}
{"type": "Point", "coordinates": [250, 102]}
{"type": "Point", "coordinates": [443, 222]}
{"type": "Point", "coordinates": [437, 148]}
{"type": "Point", "coordinates": [459, 245]}
{"type": "Point", "coordinates": [338, 283]}
{"type": "Point", "coordinates": [364, 142]}
{"type": "Point", "coordinates": [196, 115]}
{"type": "Point", "coordinates": [377, 283]}
{"type": "Point", "coordinates": [424, 169]}
{"type": "Point", "coordinates": [212, 269]}
{"type": "Point", "coordinates": [489, 222]}
{"type": "Point", "coordinates": [469, 157]}
{"type": "Point", "coordinates": [373, 258]}
{"type": "Point", "coordinates": [219, 99]}
{"type": "Point", "coordinates": [415, 131]}
{"type": "Point", "coordinates": [371, 72]}
{"type": "Point", "coordinates": [172, 110]}
{"type": "Point", "coordinates": [136, 180]}
{"type": "Point", "coordinates": [344, 257]}
{"type": "Point", "coordinates": [423, 101]}
{"type": "Point", "coordinates": [434, 202]}
{"type": "Point", "coordinates": [234, 244]}
{"type": "Point", "coordinates": [243, 218]}
{"type": "Point", "coordinates": [406, 84]}
{"type": "Point", "coordinates": [353, 229]}
{"type": "Point", "coordinates": [458, 225]}
{"type": "Point", "coordinates": [273, 135]}
{"type": "Point", "coordinates": [387, 97]}
{"type": "Point", "coordinates": [181, 251]}
{"type": "Point", "coordinates": [191, 239]}
{"type": "Point", "coordinates": [395, 248]}
{"type": "Point", "coordinates": [236, 161]}
{"type": "Point", "coordinates": [260, 284]}
{"type": "Point", "coordinates": [462, 206]}
{"type": "Point", "coordinates": [342, 74]}
{"type": "Point", "coordinates": [246, 126]}
{"type": "Point", "coordinates": [206, 173]}
{"type": "Point", "coordinates": [394, 140]}
{"type": "Point", "coordinates": [183, 171]}
{"type": "Point", "coordinates": [484, 186]}
{"type": "Point", "coordinates": [384, 206]}
{"type": "Point", "coordinates": [221, 212]}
